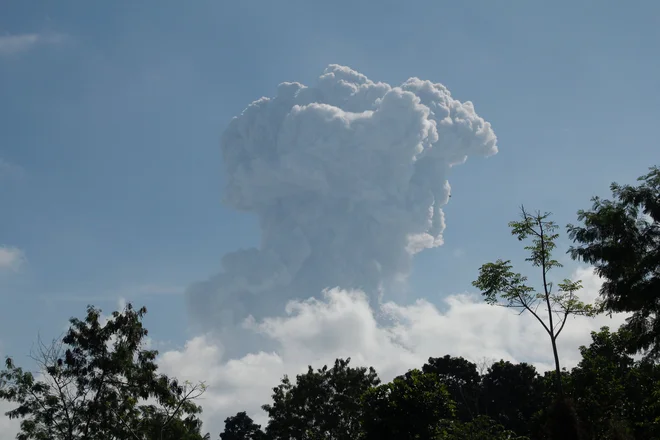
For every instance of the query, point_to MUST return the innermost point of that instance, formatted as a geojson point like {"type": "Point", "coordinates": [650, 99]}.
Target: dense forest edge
{"type": "Point", "coordinates": [101, 381]}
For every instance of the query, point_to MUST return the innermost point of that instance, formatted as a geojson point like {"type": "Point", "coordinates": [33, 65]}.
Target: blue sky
{"type": "Point", "coordinates": [111, 114]}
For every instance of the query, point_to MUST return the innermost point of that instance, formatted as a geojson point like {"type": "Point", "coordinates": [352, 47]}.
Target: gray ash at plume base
{"type": "Point", "coordinates": [347, 179]}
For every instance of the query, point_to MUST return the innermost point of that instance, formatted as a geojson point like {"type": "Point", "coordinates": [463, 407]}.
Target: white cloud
{"type": "Point", "coordinates": [13, 44]}
{"type": "Point", "coordinates": [8, 428]}
{"type": "Point", "coordinates": [11, 258]}
{"type": "Point", "coordinates": [347, 177]}
{"type": "Point", "coordinates": [393, 339]}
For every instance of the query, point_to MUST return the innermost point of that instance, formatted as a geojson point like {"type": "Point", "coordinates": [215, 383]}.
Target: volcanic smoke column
{"type": "Point", "coordinates": [347, 179]}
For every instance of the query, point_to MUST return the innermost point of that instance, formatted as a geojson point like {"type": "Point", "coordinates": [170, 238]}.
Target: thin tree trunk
{"type": "Point", "coordinates": [560, 388]}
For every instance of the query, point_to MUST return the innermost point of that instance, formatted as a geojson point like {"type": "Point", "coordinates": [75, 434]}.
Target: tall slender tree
{"type": "Point", "coordinates": [501, 286]}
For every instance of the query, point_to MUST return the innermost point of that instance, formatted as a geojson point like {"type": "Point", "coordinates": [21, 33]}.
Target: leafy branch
{"type": "Point", "coordinates": [503, 287]}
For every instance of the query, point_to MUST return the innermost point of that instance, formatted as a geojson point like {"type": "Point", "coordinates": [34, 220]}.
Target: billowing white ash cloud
{"type": "Point", "coordinates": [347, 179]}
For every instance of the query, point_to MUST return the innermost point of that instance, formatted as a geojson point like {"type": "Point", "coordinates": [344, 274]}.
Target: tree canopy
{"type": "Point", "coordinates": [321, 404]}
{"type": "Point", "coordinates": [613, 396]}
{"type": "Point", "coordinates": [412, 406]}
{"type": "Point", "coordinates": [100, 382]}
{"type": "Point", "coordinates": [241, 427]}
{"type": "Point", "coordinates": [620, 237]}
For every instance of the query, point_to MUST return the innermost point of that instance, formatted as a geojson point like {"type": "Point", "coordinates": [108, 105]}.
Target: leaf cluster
{"type": "Point", "coordinates": [99, 382]}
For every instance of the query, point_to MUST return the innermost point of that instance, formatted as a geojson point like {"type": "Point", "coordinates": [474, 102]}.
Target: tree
{"type": "Point", "coordinates": [413, 406]}
{"type": "Point", "coordinates": [598, 381]}
{"type": "Point", "coordinates": [621, 238]}
{"type": "Point", "coordinates": [167, 424]}
{"type": "Point", "coordinates": [612, 391]}
{"type": "Point", "coordinates": [480, 428]}
{"type": "Point", "coordinates": [562, 422]}
{"type": "Point", "coordinates": [322, 404]}
{"type": "Point", "coordinates": [241, 427]}
{"type": "Point", "coordinates": [462, 381]}
{"type": "Point", "coordinates": [501, 286]}
{"type": "Point", "coordinates": [512, 395]}
{"type": "Point", "coordinates": [99, 382]}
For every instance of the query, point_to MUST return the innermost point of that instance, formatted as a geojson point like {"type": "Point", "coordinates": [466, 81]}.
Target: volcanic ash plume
{"type": "Point", "coordinates": [347, 179]}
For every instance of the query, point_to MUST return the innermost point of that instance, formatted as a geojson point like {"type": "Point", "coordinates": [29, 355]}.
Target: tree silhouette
{"type": "Point", "coordinates": [621, 238]}
{"type": "Point", "coordinates": [99, 382]}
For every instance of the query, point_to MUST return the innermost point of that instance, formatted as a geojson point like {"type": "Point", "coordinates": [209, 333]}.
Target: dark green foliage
{"type": "Point", "coordinates": [619, 430]}
{"type": "Point", "coordinates": [621, 238]}
{"type": "Point", "coordinates": [610, 385]}
{"type": "Point", "coordinates": [599, 381]}
{"type": "Point", "coordinates": [322, 404]}
{"type": "Point", "coordinates": [462, 381]}
{"type": "Point", "coordinates": [563, 422]}
{"type": "Point", "coordinates": [94, 385]}
{"type": "Point", "coordinates": [154, 425]}
{"type": "Point", "coordinates": [512, 394]}
{"type": "Point", "coordinates": [410, 407]}
{"type": "Point", "coordinates": [480, 428]}
{"type": "Point", "coordinates": [241, 427]}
